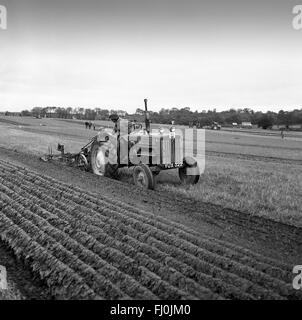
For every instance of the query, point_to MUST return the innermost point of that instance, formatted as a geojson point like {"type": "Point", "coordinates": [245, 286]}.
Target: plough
{"type": "Point", "coordinates": [80, 159]}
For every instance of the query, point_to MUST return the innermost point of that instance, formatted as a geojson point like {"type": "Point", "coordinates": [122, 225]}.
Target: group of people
{"type": "Point", "coordinates": [89, 125]}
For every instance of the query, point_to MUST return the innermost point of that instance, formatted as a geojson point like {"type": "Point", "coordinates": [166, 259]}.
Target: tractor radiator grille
{"type": "Point", "coordinates": [171, 150]}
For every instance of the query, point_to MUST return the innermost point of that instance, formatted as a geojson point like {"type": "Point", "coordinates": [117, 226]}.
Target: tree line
{"type": "Point", "coordinates": [180, 116]}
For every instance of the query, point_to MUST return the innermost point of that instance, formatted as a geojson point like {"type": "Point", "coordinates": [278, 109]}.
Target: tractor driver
{"type": "Point", "coordinates": [117, 124]}
{"type": "Point", "coordinates": [114, 118]}
{"type": "Point", "coordinates": [123, 128]}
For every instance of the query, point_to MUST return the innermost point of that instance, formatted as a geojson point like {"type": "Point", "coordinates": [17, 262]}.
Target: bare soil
{"type": "Point", "coordinates": [26, 284]}
{"type": "Point", "coordinates": [252, 249]}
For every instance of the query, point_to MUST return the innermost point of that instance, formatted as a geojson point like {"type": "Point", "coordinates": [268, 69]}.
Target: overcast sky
{"type": "Point", "coordinates": [177, 53]}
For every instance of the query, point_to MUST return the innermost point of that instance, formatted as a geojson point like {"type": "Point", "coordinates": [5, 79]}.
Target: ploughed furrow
{"type": "Point", "coordinates": [264, 228]}
{"type": "Point", "coordinates": [72, 217]}
{"type": "Point", "coordinates": [33, 226]}
{"type": "Point", "coordinates": [117, 252]}
{"type": "Point", "coordinates": [260, 292]}
{"type": "Point", "coordinates": [64, 282]}
{"type": "Point", "coordinates": [247, 257]}
{"type": "Point", "coordinates": [128, 284]}
{"type": "Point", "coordinates": [264, 280]}
{"type": "Point", "coordinates": [165, 291]}
{"type": "Point", "coordinates": [274, 267]}
{"type": "Point", "coordinates": [176, 258]}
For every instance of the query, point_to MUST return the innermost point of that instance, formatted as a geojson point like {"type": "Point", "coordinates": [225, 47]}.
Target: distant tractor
{"type": "Point", "coordinates": [215, 126]}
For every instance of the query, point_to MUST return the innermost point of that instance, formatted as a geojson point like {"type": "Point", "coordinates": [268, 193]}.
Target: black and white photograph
{"type": "Point", "coordinates": [150, 152]}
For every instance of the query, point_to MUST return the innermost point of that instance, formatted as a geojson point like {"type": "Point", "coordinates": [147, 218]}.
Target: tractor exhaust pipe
{"type": "Point", "coordinates": [147, 116]}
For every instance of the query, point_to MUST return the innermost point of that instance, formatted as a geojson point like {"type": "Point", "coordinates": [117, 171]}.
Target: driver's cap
{"type": "Point", "coordinates": [114, 117]}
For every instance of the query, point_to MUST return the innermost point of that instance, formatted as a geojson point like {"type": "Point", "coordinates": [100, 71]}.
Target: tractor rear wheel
{"type": "Point", "coordinates": [189, 174]}
{"type": "Point", "coordinates": [100, 159]}
{"type": "Point", "coordinates": [143, 177]}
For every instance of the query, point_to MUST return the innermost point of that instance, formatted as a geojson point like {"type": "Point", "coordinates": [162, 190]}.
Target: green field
{"type": "Point", "coordinates": [254, 171]}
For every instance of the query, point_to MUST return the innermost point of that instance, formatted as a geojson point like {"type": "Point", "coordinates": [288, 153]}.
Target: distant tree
{"type": "Point", "coordinates": [97, 111]}
{"type": "Point", "coordinates": [25, 113]}
{"type": "Point", "coordinates": [68, 112]}
{"type": "Point", "coordinates": [232, 118]}
{"type": "Point", "coordinates": [104, 114]}
{"type": "Point", "coordinates": [79, 113]}
{"type": "Point", "coordinates": [285, 118]}
{"type": "Point", "coordinates": [139, 111]}
{"type": "Point", "coordinates": [89, 114]}
{"type": "Point", "coordinates": [182, 116]}
{"type": "Point", "coordinates": [60, 112]}
{"type": "Point", "coordinates": [265, 121]}
{"type": "Point", "coordinates": [37, 112]}
{"type": "Point", "coordinates": [297, 117]}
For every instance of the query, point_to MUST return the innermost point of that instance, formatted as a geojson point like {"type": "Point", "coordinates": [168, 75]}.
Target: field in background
{"type": "Point", "coordinates": [256, 187]}
{"type": "Point", "coordinates": [252, 171]}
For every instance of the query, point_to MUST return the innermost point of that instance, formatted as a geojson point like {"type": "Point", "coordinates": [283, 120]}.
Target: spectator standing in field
{"type": "Point", "coordinates": [90, 124]}
{"type": "Point", "coordinates": [282, 133]}
{"type": "Point", "coordinates": [94, 127]}
{"type": "Point", "coordinates": [86, 124]}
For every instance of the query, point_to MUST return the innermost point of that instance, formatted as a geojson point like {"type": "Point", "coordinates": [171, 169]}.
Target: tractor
{"type": "Point", "coordinates": [130, 145]}
{"type": "Point", "coordinates": [215, 126]}
{"type": "Point", "coordinates": [147, 153]}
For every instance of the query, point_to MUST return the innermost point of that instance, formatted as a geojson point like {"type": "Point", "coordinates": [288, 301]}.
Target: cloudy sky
{"type": "Point", "coordinates": [176, 53]}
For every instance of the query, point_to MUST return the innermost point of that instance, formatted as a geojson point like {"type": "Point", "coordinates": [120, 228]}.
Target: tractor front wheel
{"type": "Point", "coordinates": [143, 177]}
